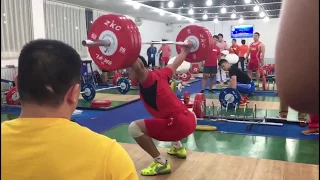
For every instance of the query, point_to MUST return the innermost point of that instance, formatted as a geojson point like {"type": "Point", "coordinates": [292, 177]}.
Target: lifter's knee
{"type": "Point", "coordinates": [135, 130]}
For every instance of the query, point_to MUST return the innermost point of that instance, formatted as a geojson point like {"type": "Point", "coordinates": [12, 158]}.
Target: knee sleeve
{"type": "Point", "coordinates": [134, 130]}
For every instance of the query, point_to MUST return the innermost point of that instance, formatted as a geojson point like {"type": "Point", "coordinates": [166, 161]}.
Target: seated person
{"type": "Point", "coordinates": [238, 80]}
{"type": "Point", "coordinates": [43, 143]}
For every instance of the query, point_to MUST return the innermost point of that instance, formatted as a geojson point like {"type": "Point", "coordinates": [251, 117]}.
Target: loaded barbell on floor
{"type": "Point", "coordinates": [115, 43]}
{"type": "Point", "coordinates": [88, 90]}
{"type": "Point", "coordinates": [199, 108]}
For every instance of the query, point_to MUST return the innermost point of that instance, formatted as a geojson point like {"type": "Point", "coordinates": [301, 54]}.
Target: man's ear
{"type": "Point", "coordinates": [15, 80]}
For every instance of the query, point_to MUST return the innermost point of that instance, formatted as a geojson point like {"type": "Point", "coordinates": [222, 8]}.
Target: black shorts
{"type": "Point", "coordinates": [210, 70]}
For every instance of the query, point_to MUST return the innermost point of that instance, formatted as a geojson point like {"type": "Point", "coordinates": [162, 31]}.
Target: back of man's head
{"type": "Point", "coordinates": [46, 71]}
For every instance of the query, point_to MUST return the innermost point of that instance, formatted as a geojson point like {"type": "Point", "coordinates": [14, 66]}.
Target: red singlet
{"type": "Point", "coordinates": [172, 120]}
{"type": "Point", "coordinates": [255, 53]}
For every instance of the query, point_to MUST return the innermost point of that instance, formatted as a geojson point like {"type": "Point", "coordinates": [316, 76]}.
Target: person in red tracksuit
{"type": "Point", "coordinates": [256, 51]}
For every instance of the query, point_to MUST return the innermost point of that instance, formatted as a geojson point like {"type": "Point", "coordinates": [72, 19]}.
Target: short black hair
{"type": "Point", "coordinates": [257, 33]}
{"type": "Point", "coordinates": [222, 61]}
{"type": "Point", "coordinates": [46, 71]}
{"type": "Point", "coordinates": [220, 34]}
{"type": "Point", "coordinates": [145, 64]}
{"type": "Point", "coordinates": [243, 41]}
{"type": "Point", "coordinates": [234, 40]}
{"type": "Point", "coordinates": [215, 36]}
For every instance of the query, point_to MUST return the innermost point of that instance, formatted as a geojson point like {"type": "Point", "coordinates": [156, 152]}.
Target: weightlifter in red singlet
{"type": "Point", "coordinates": [256, 51]}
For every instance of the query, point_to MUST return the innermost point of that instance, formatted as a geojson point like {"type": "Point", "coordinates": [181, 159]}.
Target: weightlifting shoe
{"type": "Point", "coordinates": [155, 168]}
{"type": "Point", "coordinates": [180, 153]}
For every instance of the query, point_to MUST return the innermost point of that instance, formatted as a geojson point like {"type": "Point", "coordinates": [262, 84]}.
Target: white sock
{"type": "Point", "coordinates": [177, 144]}
{"type": "Point", "coordinates": [161, 160]}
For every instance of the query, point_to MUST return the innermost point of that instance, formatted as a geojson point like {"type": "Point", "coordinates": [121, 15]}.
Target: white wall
{"type": "Point", "coordinates": [149, 31]}
{"type": "Point", "coordinates": [268, 32]}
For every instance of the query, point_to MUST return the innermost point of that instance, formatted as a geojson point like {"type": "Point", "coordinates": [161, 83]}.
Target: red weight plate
{"type": "Point", "coordinates": [200, 39]}
{"type": "Point", "coordinates": [136, 50]}
{"type": "Point", "coordinates": [137, 38]}
{"type": "Point", "coordinates": [13, 97]}
{"type": "Point", "coordinates": [211, 38]}
{"type": "Point", "coordinates": [114, 28]}
{"type": "Point", "coordinates": [264, 83]}
{"type": "Point", "coordinates": [199, 105]}
{"type": "Point", "coordinates": [185, 76]}
{"type": "Point", "coordinates": [195, 68]}
{"type": "Point", "coordinates": [186, 97]}
{"type": "Point", "coordinates": [100, 103]}
{"type": "Point", "coordinates": [116, 77]}
{"type": "Point", "coordinates": [196, 108]}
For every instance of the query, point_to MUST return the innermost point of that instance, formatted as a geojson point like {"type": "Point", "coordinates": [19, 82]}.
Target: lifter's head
{"type": "Point", "coordinates": [224, 64]}
{"type": "Point", "coordinates": [48, 79]}
{"type": "Point", "coordinates": [139, 65]}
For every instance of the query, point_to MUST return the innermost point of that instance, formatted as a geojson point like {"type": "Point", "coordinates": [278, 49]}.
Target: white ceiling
{"type": "Point", "coordinates": [122, 7]}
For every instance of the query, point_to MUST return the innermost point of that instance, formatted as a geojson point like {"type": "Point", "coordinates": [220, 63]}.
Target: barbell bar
{"type": "Point", "coordinates": [107, 43]}
{"type": "Point", "coordinates": [114, 42]}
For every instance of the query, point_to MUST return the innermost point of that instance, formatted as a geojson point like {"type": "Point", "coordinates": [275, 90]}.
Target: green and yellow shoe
{"type": "Point", "coordinates": [180, 153]}
{"type": "Point", "coordinates": [156, 168]}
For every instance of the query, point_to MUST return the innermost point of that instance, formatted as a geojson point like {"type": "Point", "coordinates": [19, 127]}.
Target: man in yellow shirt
{"type": "Point", "coordinates": [43, 144]}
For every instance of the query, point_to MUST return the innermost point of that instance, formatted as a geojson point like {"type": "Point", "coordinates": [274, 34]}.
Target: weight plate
{"type": "Point", "coordinates": [13, 97]}
{"type": "Point", "coordinates": [186, 97]}
{"type": "Point", "coordinates": [100, 103]}
{"type": "Point", "coordinates": [195, 68]}
{"type": "Point", "coordinates": [137, 39]}
{"type": "Point", "coordinates": [199, 105]}
{"type": "Point", "coordinates": [200, 39]}
{"type": "Point", "coordinates": [89, 91]}
{"type": "Point", "coordinates": [185, 76]}
{"type": "Point", "coordinates": [115, 29]}
{"type": "Point", "coordinates": [123, 85]}
{"type": "Point", "coordinates": [229, 98]}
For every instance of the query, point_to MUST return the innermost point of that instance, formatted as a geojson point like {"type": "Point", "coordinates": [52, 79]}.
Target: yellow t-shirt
{"type": "Point", "coordinates": [58, 149]}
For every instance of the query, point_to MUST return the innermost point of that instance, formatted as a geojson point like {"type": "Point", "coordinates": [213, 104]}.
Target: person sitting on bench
{"type": "Point", "coordinates": [238, 80]}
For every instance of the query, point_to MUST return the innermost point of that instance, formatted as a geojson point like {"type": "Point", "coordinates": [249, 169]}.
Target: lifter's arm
{"type": "Point", "coordinates": [233, 82]}
{"type": "Point", "coordinates": [178, 61]}
{"type": "Point", "coordinates": [140, 72]}
{"type": "Point", "coordinates": [263, 51]}
{"type": "Point", "coordinates": [248, 53]}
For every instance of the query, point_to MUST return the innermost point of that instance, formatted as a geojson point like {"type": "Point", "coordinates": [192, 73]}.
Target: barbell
{"type": "Point", "coordinates": [114, 42]}
{"type": "Point", "coordinates": [88, 91]}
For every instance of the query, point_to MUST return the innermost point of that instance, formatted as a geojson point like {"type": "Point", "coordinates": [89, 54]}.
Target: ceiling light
{"type": "Point", "coordinates": [223, 10]}
{"type": "Point", "coordinates": [192, 20]}
{"type": "Point", "coordinates": [256, 8]}
{"type": "Point", "coordinates": [205, 16]}
{"type": "Point", "coordinates": [215, 20]}
{"type": "Point", "coordinates": [233, 15]}
{"type": "Point", "coordinates": [136, 6]}
{"type": "Point", "coordinates": [247, 1]}
{"type": "Point", "coordinates": [161, 13]}
{"type": "Point", "coordinates": [4, 22]}
{"type": "Point", "coordinates": [4, 14]}
{"type": "Point", "coordinates": [262, 14]}
{"type": "Point", "coordinates": [179, 18]}
{"type": "Point", "coordinates": [190, 11]}
{"type": "Point", "coordinates": [170, 4]}
{"type": "Point", "coordinates": [241, 20]}
{"type": "Point", "coordinates": [266, 19]}
{"type": "Point", "coordinates": [209, 2]}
